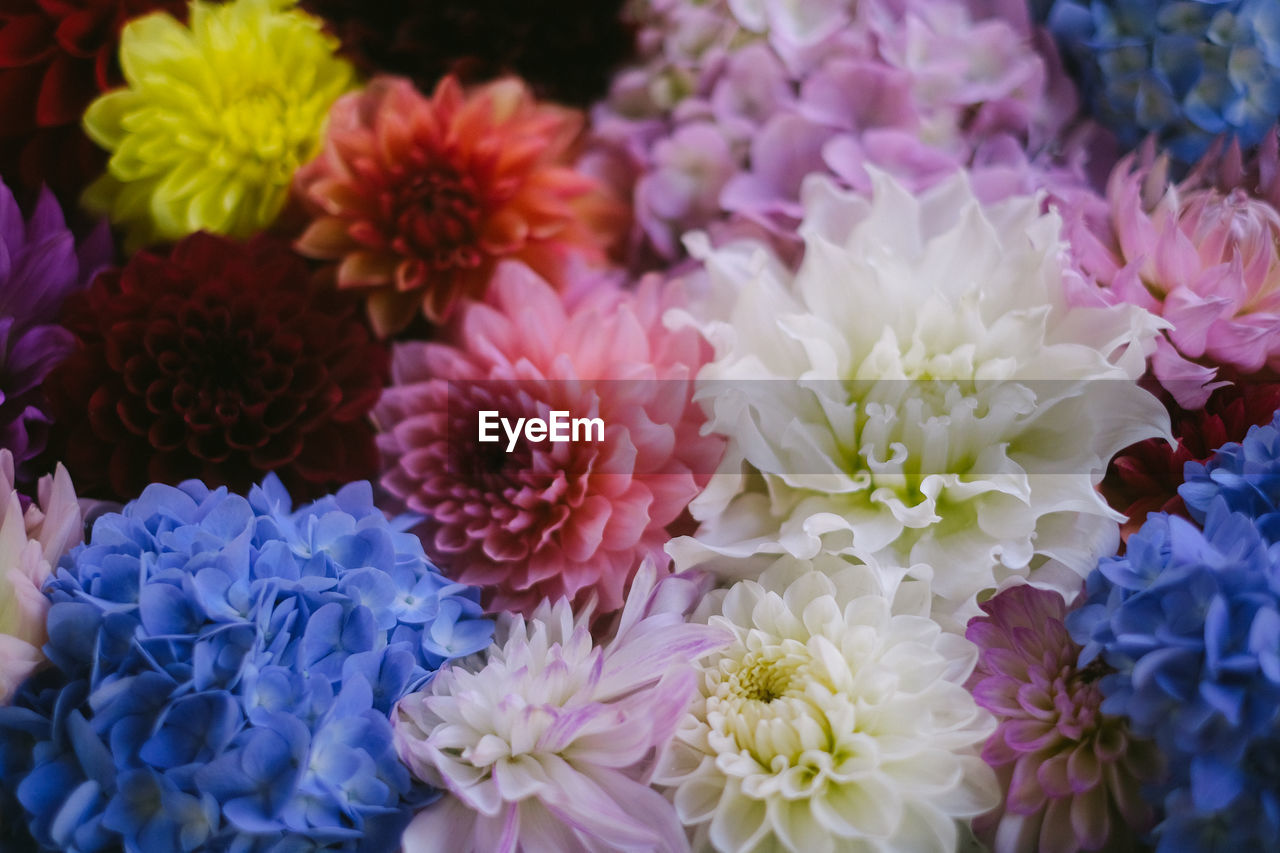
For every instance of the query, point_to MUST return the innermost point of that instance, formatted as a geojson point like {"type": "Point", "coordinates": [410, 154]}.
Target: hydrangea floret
{"type": "Point", "coordinates": [223, 673]}
{"type": "Point", "coordinates": [1189, 622]}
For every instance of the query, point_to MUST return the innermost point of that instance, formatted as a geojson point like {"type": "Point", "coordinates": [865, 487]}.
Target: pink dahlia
{"type": "Point", "coordinates": [418, 198]}
{"type": "Point", "coordinates": [1202, 253]}
{"type": "Point", "coordinates": [531, 520]}
{"type": "Point", "coordinates": [1071, 774]}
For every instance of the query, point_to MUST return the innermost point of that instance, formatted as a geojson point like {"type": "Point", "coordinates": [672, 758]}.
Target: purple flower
{"type": "Point", "coordinates": [779, 90]}
{"type": "Point", "coordinates": [1071, 774]}
{"type": "Point", "coordinates": [40, 265]}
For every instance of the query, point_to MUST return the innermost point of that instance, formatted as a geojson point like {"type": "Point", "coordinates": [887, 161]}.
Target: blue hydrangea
{"type": "Point", "coordinates": [1184, 70]}
{"type": "Point", "coordinates": [224, 671]}
{"type": "Point", "coordinates": [1189, 620]}
{"type": "Point", "coordinates": [1246, 475]}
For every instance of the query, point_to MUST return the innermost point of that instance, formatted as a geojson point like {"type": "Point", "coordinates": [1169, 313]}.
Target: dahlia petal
{"type": "Point", "coordinates": [64, 92]}
{"type": "Point", "coordinates": [1056, 775]}
{"type": "Point", "coordinates": [1090, 818]}
{"type": "Point", "coordinates": [739, 823]}
{"type": "Point", "coordinates": [24, 40]}
{"type": "Point", "coordinates": [437, 828]}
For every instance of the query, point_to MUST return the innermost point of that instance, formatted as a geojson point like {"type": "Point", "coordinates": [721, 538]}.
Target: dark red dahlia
{"type": "Point", "coordinates": [1144, 477]}
{"type": "Point", "coordinates": [55, 57]}
{"type": "Point", "coordinates": [565, 49]}
{"type": "Point", "coordinates": [221, 361]}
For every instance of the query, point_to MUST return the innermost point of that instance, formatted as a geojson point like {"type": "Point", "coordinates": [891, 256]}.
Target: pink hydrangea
{"type": "Point", "coordinates": [1203, 253]}
{"type": "Point", "coordinates": [570, 519]}
{"type": "Point", "coordinates": [1071, 774]}
{"type": "Point", "coordinates": [736, 101]}
{"type": "Point", "coordinates": [31, 543]}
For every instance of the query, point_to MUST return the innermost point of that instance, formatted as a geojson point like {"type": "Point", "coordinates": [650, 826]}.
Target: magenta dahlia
{"type": "Point", "coordinates": [528, 519]}
{"type": "Point", "coordinates": [1071, 774]}
{"type": "Point", "coordinates": [220, 361]}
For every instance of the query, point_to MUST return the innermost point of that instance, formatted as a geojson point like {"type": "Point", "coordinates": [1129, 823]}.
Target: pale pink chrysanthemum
{"type": "Point", "coordinates": [1203, 253]}
{"type": "Point", "coordinates": [1071, 774]}
{"type": "Point", "coordinates": [31, 543]}
{"type": "Point", "coordinates": [548, 520]}
{"type": "Point", "coordinates": [549, 741]}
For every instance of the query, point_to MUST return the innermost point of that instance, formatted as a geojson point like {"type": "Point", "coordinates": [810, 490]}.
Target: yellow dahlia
{"type": "Point", "coordinates": [214, 119]}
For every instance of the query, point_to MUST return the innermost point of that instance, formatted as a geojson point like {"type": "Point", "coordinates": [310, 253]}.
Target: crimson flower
{"type": "Point", "coordinates": [55, 57]}
{"type": "Point", "coordinates": [220, 361]}
{"type": "Point", "coordinates": [1144, 477]}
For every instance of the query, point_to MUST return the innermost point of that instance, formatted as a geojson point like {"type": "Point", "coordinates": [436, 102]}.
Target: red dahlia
{"type": "Point", "coordinates": [55, 56]}
{"type": "Point", "coordinates": [221, 361]}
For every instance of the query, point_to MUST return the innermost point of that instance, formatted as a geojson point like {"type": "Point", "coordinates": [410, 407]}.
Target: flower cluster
{"type": "Point", "coordinates": [223, 671]}
{"type": "Point", "coordinates": [954, 413]}
{"type": "Point", "coordinates": [1185, 72]}
{"type": "Point", "coordinates": [1189, 621]}
{"type": "Point", "coordinates": [1072, 774]}
{"type": "Point", "coordinates": [733, 425]}
{"type": "Point", "coordinates": [215, 118]}
{"type": "Point", "coordinates": [1147, 477]}
{"type": "Point", "coordinates": [185, 372]}
{"type": "Point", "coordinates": [1244, 475]}
{"type": "Point", "coordinates": [571, 519]}
{"type": "Point", "coordinates": [734, 103]}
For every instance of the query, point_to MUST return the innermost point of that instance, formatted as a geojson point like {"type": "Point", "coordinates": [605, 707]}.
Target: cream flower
{"type": "Point", "coordinates": [31, 542]}
{"type": "Point", "coordinates": [919, 390]}
{"type": "Point", "coordinates": [830, 723]}
{"type": "Point", "coordinates": [548, 743]}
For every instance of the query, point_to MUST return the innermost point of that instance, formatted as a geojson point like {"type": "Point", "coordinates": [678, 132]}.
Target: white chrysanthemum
{"type": "Point", "coordinates": [920, 390]}
{"type": "Point", "coordinates": [547, 742]}
{"type": "Point", "coordinates": [830, 724]}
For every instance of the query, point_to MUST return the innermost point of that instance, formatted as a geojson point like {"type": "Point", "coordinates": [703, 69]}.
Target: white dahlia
{"type": "Point", "coordinates": [548, 742]}
{"type": "Point", "coordinates": [920, 390]}
{"type": "Point", "coordinates": [830, 723]}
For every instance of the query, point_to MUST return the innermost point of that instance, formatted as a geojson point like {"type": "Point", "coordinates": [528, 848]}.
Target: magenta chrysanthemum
{"type": "Point", "coordinates": [1071, 774]}
{"type": "Point", "coordinates": [548, 520]}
